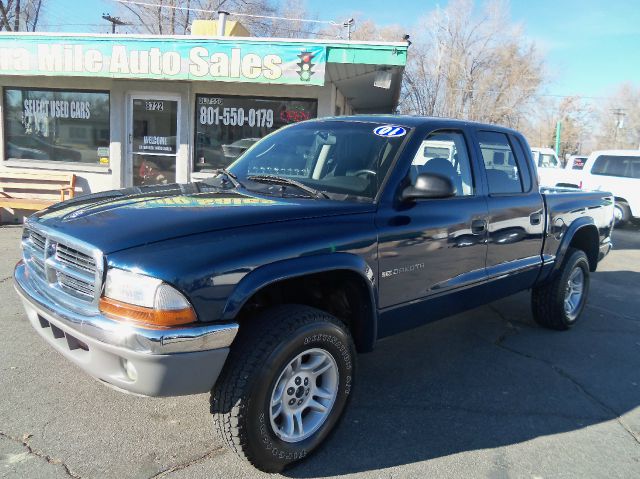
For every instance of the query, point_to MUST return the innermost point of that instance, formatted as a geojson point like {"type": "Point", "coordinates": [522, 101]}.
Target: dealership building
{"type": "Point", "coordinates": [127, 110]}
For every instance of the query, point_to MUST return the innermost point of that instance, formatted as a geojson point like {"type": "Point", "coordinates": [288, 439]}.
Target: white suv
{"type": "Point", "coordinates": [617, 171]}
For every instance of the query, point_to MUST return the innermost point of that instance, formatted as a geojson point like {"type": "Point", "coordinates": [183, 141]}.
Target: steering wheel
{"type": "Point", "coordinates": [365, 172]}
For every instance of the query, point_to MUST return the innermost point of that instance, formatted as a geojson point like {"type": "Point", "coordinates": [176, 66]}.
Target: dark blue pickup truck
{"type": "Point", "coordinates": [261, 283]}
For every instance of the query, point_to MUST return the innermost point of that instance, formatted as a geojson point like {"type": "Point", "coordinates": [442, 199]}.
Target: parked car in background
{"type": "Point", "coordinates": [575, 162]}
{"type": "Point", "coordinates": [550, 170]}
{"type": "Point", "coordinates": [617, 171]}
{"type": "Point", "coordinates": [237, 148]}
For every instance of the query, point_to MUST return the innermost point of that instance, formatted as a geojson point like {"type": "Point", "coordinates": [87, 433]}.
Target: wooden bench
{"type": "Point", "coordinates": [35, 191]}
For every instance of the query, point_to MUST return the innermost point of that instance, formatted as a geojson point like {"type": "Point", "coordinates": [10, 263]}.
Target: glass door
{"type": "Point", "coordinates": [153, 139]}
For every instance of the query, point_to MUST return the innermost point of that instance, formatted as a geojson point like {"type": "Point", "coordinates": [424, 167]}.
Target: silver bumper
{"type": "Point", "coordinates": [150, 362]}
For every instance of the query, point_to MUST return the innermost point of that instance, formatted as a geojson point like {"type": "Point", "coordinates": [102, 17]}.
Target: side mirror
{"type": "Point", "coordinates": [429, 185]}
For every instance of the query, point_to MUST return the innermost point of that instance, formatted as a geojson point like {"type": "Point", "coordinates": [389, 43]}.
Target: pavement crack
{"type": "Point", "coordinates": [24, 441]}
{"type": "Point", "coordinates": [448, 407]}
{"type": "Point", "coordinates": [191, 462]}
{"type": "Point", "coordinates": [612, 313]}
{"type": "Point", "coordinates": [613, 414]}
{"type": "Point", "coordinates": [2, 280]}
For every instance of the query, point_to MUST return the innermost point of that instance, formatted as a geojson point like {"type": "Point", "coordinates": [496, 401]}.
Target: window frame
{"type": "Point", "coordinates": [508, 136]}
{"type": "Point", "coordinates": [474, 177]}
{"type": "Point", "coordinates": [193, 159]}
{"type": "Point", "coordinates": [29, 162]}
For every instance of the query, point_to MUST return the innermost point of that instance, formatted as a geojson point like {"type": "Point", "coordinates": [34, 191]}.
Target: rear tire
{"type": "Point", "coordinates": [622, 213]}
{"type": "Point", "coordinates": [284, 386]}
{"type": "Point", "coordinates": [558, 304]}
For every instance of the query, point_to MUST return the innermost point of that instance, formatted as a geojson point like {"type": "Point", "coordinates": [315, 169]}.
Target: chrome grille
{"type": "Point", "coordinates": [73, 285]}
{"type": "Point", "coordinates": [75, 258]}
{"type": "Point", "coordinates": [37, 240]}
{"type": "Point", "coordinates": [71, 269]}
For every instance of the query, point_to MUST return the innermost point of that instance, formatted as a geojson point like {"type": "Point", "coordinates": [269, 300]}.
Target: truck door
{"type": "Point", "coordinates": [431, 246]}
{"type": "Point", "coordinates": [516, 212]}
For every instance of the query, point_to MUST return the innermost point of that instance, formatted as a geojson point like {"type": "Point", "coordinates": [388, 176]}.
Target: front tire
{"type": "Point", "coordinates": [559, 303]}
{"type": "Point", "coordinates": [621, 213]}
{"type": "Point", "coordinates": [285, 385]}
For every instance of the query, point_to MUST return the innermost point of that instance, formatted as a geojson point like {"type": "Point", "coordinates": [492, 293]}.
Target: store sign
{"type": "Point", "coordinates": [56, 125]}
{"type": "Point", "coordinates": [178, 59]}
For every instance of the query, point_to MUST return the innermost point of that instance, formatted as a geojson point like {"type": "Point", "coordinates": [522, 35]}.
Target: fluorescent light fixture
{"type": "Point", "coordinates": [383, 79]}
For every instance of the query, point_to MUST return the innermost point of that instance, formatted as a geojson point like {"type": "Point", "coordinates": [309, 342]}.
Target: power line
{"type": "Point", "coordinates": [203, 10]}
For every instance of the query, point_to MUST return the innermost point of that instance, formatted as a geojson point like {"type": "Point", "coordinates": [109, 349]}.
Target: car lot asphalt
{"type": "Point", "coordinates": [482, 394]}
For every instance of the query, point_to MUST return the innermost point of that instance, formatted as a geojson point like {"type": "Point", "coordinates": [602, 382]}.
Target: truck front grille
{"type": "Point", "coordinates": [71, 270]}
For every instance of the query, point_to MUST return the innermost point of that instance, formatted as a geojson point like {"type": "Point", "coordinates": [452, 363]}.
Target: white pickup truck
{"type": "Point", "coordinates": [550, 170]}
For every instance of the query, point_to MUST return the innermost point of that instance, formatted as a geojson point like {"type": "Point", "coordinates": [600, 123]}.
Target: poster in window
{"type": "Point", "coordinates": [154, 126]}
{"type": "Point", "coordinates": [227, 126]}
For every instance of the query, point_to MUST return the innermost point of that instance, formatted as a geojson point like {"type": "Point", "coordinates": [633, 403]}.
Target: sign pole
{"type": "Point", "coordinates": [558, 130]}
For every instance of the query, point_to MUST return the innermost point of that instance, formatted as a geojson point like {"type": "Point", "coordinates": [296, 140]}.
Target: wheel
{"type": "Point", "coordinates": [621, 213]}
{"type": "Point", "coordinates": [559, 303]}
{"type": "Point", "coordinates": [284, 386]}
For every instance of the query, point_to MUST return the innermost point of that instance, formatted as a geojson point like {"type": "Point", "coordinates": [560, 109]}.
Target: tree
{"type": "Point", "coordinates": [174, 17]}
{"type": "Point", "coordinates": [576, 117]}
{"type": "Point", "coordinates": [619, 119]}
{"type": "Point", "coordinates": [365, 30]}
{"type": "Point", "coordinates": [477, 67]}
{"type": "Point", "coordinates": [17, 15]}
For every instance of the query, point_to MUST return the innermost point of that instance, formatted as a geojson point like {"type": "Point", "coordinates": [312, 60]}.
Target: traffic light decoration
{"type": "Point", "coordinates": [306, 65]}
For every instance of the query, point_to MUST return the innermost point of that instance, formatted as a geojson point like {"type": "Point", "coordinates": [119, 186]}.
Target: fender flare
{"type": "Point", "coordinates": [302, 266]}
{"type": "Point", "coordinates": [567, 237]}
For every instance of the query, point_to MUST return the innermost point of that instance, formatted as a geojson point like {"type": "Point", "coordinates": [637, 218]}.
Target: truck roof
{"type": "Point", "coordinates": [413, 121]}
{"type": "Point", "coordinates": [549, 151]}
{"type": "Point", "coordinates": [616, 152]}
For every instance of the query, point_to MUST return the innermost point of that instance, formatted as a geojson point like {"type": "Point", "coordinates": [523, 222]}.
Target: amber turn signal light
{"type": "Point", "coordinates": [146, 317]}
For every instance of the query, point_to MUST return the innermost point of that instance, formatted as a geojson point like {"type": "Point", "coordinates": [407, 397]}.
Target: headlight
{"type": "Point", "coordinates": [142, 299]}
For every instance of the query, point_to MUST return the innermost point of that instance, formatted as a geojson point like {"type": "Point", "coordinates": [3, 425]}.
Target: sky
{"type": "Point", "coordinates": [589, 46]}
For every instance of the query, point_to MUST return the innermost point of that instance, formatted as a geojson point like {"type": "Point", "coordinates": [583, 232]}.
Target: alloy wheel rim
{"type": "Point", "coordinates": [304, 395]}
{"type": "Point", "coordinates": [574, 293]}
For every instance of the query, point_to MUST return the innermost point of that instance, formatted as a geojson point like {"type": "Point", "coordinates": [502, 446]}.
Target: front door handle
{"type": "Point", "coordinates": [478, 226]}
{"type": "Point", "coordinates": [535, 218]}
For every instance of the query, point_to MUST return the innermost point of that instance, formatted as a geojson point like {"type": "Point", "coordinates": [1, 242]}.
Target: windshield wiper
{"type": "Point", "coordinates": [281, 180]}
{"type": "Point", "coordinates": [232, 178]}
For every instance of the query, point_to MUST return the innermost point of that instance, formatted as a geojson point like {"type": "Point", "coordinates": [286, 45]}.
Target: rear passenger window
{"type": "Point", "coordinates": [445, 153]}
{"type": "Point", "coordinates": [521, 161]}
{"type": "Point", "coordinates": [500, 163]}
{"type": "Point", "coordinates": [621, 166]}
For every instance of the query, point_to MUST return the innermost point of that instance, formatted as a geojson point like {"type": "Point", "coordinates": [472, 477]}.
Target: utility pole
{"type": "Point", "coordinates": [349, 25]}
{"type": "Point", "coordinates": [16, 23]}
{"type": "Point", "coordinates": [619, 113]}
{"type": "Point", "coordinates": [114, 21]}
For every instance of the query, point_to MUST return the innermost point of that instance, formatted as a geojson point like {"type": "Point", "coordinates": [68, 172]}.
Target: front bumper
{"type": "Point", "coordinates": [150, 362]}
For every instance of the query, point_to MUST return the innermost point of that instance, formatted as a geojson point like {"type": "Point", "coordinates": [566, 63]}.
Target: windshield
{"type": "Point", "coordinates": [345, 160]}
{"type": "Point", "coordinates": [547, 161]}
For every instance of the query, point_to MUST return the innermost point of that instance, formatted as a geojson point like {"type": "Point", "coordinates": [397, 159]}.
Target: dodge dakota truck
{"type": "Point", "coordinates": [263, 282]}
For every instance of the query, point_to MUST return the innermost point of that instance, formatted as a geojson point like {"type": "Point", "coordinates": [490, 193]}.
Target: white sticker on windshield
{"type": "Point", "coordinates": [390, 131]}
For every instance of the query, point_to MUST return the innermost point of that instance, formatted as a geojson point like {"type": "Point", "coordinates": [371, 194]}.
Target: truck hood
{"type": "Point", "coordinates": [121, 219]}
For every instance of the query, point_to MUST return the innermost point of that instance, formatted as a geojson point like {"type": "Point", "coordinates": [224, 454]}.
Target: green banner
{"type": "Point", "coordinates": [230, 60]}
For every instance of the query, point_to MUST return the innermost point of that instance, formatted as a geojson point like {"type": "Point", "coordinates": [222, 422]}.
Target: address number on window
{"type": "Point", "coordinates": [236, 116]}
{"type": "Point", "coordinates": [154, 105]}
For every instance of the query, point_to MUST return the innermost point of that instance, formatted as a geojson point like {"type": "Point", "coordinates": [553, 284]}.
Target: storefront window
{"type": "Point", "coordinates": [56, 125]}
{"type": "Point", "coordinates": [226, 126]}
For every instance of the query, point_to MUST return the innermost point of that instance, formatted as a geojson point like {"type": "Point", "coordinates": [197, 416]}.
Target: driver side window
{"type": "Point", "coordinates": [445, 153]}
